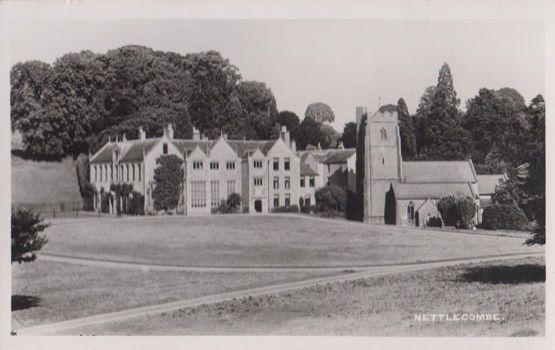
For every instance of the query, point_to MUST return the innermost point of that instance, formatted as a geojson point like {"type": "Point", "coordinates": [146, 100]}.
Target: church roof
{"type": "Point", "coordinates": [439, 171]}
{"type": "Point", "coordinates": [432, 190]}
{"type": "Point", "coordinates": [488, 183]}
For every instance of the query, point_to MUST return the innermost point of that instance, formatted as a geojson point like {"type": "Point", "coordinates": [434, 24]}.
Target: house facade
{"type": "Point", "coordinates": [265, 173]}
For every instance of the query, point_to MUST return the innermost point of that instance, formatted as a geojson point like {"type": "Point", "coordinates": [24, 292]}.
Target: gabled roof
{"type": "Point", "coordinates": [488, 183]}
{"type": "Point", "coordinates": [244, 147]}
{"type": "Point", "coordinates": [189, 145]}
{"type": "Point", "coordinates": [306, 170]}
{"type": "Point", "coordinates": [431, 190]}
{"type": "Point", "coordinates": [137, 148]}
{"type": "Point", "coordinates": [439, 171]}
{"type": "Point", "coordinates": [104, 154]}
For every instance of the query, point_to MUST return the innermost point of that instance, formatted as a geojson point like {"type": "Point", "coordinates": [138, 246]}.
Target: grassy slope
{"type": "Point", "coordinates": [264, 241]}
{"type": "Point", "coordinates": [67, 291]}
{"type": "Point", "coordinates": [382, 306]}
{"type": "Point", "coordinates": [43, 182]}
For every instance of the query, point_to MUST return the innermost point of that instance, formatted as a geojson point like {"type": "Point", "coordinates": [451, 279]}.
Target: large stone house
{"type": "Point", "coordinates": [401, 192]}
{"type": "Point", "coordinates": [265, 173]}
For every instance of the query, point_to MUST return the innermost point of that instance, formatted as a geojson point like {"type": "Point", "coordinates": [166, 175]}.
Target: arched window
{"type": "Point", "coordinates": [383, 134]}
{"type": "Point", "coordinates": [410, 211]}
{"type": "Point", "coordinates": [133, 170]}
{"type": "Point", "coordinates": [127, 172]}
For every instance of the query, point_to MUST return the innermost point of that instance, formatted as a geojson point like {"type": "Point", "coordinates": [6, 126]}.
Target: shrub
{"type": "Point", "coordinates": [290, 209]}
{"type": "Point", "coordinates": [331, 198]}
{"type": "Point", "coordinates": [168, 176]}
{"type": "Point", "coordinates": [26, 241]}
{"type": "Point", "coordinates": [223, 207]}
{"type": "Point", "coordinates": [233, 202]}
{"type": "Point", "coordinates": [136, 204]}
{"type": "Point", "coordinates": [457, 211]}
{"type": "Point", "coordinates": [504, 216]}
{"type": "Point", "coordinates": [434, 221]}
{"type": "Point", "coordinates": [82, 167]}
{"type": "Point", "coordinates": [88, 193]}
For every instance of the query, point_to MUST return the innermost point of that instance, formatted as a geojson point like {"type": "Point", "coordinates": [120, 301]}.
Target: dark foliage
{"type": "Point", "coordinates": [26, 240]}
{"type": "Point", "coordinates": [290, 209]}
{"type": "Point", "coordinates": [331, 198]}
{"type": "Point", "coordinates": [434, 221]}
{"type": "Point", "coordinates": [458, 211]}
{"type": "Point", "coordinates": [87, 193]}
{"type": "Point", "coordinates": [136, 204]}
{"type": "Point", "coordinates": [22, 302]}
{"type": "Point", "coordinates": [349, 135]}
{"type": "Point", "coordinates": [517, 274]}
{"type": "Point", "coordinates": [168, 176]}
{"type": "Point", "coordinates": [505, 217]}
{"type": "Point", "coordinates": [308, 133]}
{"type": "Point", "coordinates": [288, 119]}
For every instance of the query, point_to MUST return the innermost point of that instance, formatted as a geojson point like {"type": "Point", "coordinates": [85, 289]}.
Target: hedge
{"type": "Point", "coordinates": [504, 216]}
{"type": "Point", "coordinates": [290, 209]}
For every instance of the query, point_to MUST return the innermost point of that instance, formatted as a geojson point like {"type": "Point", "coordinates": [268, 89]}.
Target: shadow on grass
{"type": "Point", "coordinates": [517, 274]}
{"type": "Point", "coordinates": [22, 302]}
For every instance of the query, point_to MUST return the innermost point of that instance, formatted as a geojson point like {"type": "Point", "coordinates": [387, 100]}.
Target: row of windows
{"type": "Point", "coordinates": [215, 165]}
{"type": "Point", "coordinates": [198, 194]}
{"type": "Point", "coordinates": [287, 182]}
{"type": "Point", "coordinates": [122, 172]}
{"type": "Point", "coordinates": [287, 202]}
{"type": "Point", "coordinates": [310, 181]}
{"type": "Point", "coordinates": [215, 191]}
{"type": "Point", "coordinates": [286, 164]}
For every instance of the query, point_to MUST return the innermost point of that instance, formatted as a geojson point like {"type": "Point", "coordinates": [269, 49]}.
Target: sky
{"type": "Point", "coordinates": [344, 63]}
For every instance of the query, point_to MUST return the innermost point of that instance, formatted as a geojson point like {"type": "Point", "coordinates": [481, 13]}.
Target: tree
{"type": "Point", "coordinates": [288, 119]}
{"type": "Point", "coordinates": [535, 182]}
{"type": "Point", "coordinates": [233, 202]}
{"type": "Point", "coordinates": [330, 137]}
{"type": "Point", "coordinates": [259, 112]}
{"type": "Point", "coordinates": [406, 131]}
{"type": "Point", "coordinates": [331, 198]}
{"type": "Point", "coordinates": [168, 176]}
{"type": "Point", "coordinates": [308, 133]}
{"type": "Point", "coordinates": [443, 137]}
{"type": "Point", "coordinates": [349, 135]}
{"type": "Point", "coordinates": [26, 241]}
{"type": "Point", "coordinates": [319, 112]}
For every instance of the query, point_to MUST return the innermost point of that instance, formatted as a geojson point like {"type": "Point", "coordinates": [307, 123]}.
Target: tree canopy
{"type": "Point", "coordinates": [168, 176]}
{"type": "Point", "coordinates": [349, 135]}
{"type": "Point", "coordinates": [319, 112]}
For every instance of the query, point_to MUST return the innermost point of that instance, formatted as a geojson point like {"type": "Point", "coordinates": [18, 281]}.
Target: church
{"type": "Point", "coordinates": [393, 191]}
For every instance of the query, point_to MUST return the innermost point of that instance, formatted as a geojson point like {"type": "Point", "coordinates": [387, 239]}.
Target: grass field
{"type": "Point", "coordinates": [381, 306]}
{"type": "Point", "coordinates": [46, 292]}
{"type": "Point", "coordinates": [246, 240]}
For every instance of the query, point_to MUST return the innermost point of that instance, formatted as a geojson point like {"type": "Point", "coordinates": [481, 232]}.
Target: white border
{"type": "Point", "coordinates": [286, 9]}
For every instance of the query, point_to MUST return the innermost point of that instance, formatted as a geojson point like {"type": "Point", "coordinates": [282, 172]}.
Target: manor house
{"type": "Point", "coordinates": [266, 173]}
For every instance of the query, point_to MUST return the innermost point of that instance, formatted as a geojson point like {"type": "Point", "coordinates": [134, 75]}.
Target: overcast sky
{"type": "Point", "coordinates": [342, 63]}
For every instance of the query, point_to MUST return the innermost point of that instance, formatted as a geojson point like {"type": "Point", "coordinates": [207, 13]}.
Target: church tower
{"type": "Point", "coordinates": [382, 162]}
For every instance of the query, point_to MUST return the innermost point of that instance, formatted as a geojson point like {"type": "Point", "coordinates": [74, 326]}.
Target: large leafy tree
{"type": "Point", "coordinates": [308, 133]}
{"type": "Point", "coordinates": [168, 176]}
{"type": "Point", "coordinates": [330, 137]}
{"type": "Point", "coordinates": [26, 240]}
{"type": "Point", "coordinates": [406, 131]}
{"type": "Point", "coordinates": [443, 137]}
{"type": "Point", "coordinates": [349, 135]}
{"type": "Point", "coordinates": [535, 182]}
{"type": "Point", "coordinates": [288, 119]}
{"type": "Point", "coordinates": [319, 112]}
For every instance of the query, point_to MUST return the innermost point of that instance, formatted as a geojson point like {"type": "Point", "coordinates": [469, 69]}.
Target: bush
{"type": "Point", "coordinates": [222, 208]}
{"type": "Point", "coordinates": [88, 193]}
{"type": "Point", "coordinates": [434, 221]}
{"type": "Point", "coordinates": [233, 202]}
{"type": "Point", "coordinates": [505, 216]}
{"type": "Point", "coordinates": [26, 241]}
{"type": "Point", "coordinates": [168, 176]}
{"type": "Point", "coordinates": [331, 198]}
{"type": "Point", "coordinates": [457, 211]}
{"type": "Point", "coordinates": [136, 204]}
{"type": "Point", "coordinates": [105, 198]}
{"type": "Point", "coordinates": [290, 209]}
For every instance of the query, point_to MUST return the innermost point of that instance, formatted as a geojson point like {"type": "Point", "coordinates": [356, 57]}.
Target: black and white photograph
{"type": "Point", "coordinates": [273, 176]}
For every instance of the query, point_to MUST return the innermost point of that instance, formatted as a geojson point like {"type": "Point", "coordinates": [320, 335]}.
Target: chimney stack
{"type": "Point", "coordinates": [285, 136]}
{"type": "Point", "coordinates": [196, 134]}
{"type": "Point", "coordinates": [142, 134]}
{"type": "Point", "coordinates": [293, 146]}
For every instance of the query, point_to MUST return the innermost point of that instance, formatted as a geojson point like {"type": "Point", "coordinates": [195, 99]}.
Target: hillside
{"type": "Point", "coordinates": [36, 182]}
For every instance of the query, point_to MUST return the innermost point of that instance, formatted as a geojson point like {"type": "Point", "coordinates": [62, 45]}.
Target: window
{"type": "Point", "coordinates": [287, 200]}
{"type": "Point", "coordinates": [286, 163]}
{"type": "Point", "coordinates": [276, 163]}
{"type": "Point", "coordinates": [276, 183]}
{"type": "Point", "coordinates": [231, 187]}
{"type": "Point", "coordinates": [257, 164]}
{"type": "Point", "coordinates": [94, 176]}
{"type": "Point", "coordinates": [133, 172]}
{"type": "Point", "coordinates": [127, 172]}
{"type": "Point", "coordinates": [198, 164]}
{"type": "Point", "coordinates": [383, 134]}
{"type": "Point", "coordinates": [311, 181]}
{"type": "Point", "coordinates": [139, 172]}
{"type": "Point", "coordinates": [302, 181]}
{"type": "Point", "coordinates": [121, 174]}
{"type": "Point", "coordinates": [383, 161]}
{"type": "Point", "coordinates": [230, 165]}
{"type": "Point", "coordinates": [115, 174]}
{"type": "Point", "coordinates": [410, 211]}
{"type": "Point", "coordinates": [214, 165]}
{"type": "Point", "coordinates": [198, 194]}
{"type": "Point", "coordinates": [276, 201]}
{"type": "Point", "coordinates": [165, 148]}
{"type": "Point", "coordinates": [258, 181]}
{"type": "Point", "coordinates": [214, 193]}
{"type": "Point", "coordinates": [105, 173]}
{"type": "Point", "coordinates": [287, 182]}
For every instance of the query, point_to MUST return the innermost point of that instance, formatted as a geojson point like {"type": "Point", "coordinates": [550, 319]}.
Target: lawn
{"type": "Point", "coordinates": [45, 292]}
{"type": "Point", "coordinates": [380, 306]}
{"type": "Point", "coordinates": [274, 240]}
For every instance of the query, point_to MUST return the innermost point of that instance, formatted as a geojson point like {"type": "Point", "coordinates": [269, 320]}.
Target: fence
{"type": "Point", "coordinates": [55, 210]}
